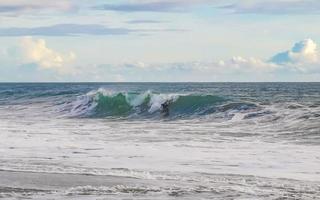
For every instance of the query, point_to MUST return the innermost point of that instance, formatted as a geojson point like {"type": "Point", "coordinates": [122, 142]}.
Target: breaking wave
{"type": "Point", "coordinates": [102, 103]}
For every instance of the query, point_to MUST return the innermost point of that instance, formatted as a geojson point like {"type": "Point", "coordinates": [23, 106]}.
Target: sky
{"type": "Point", "coordinates": [159, 40]}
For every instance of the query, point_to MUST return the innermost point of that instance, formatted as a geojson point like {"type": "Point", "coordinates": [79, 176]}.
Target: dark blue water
{"type": "Point", "coordinates": [255, 90]}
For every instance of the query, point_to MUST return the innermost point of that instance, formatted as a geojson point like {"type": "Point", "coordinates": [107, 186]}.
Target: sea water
{"type": "Point", "coordinates": [113, 141]}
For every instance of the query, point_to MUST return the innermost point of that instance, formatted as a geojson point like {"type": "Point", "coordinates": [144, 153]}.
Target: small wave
{"type": "Point", "coordinates": [18, 94]}
{"type": "Point", "coordinates": [258, 114]}
{"type": "Point", "coordinates": [104, 190]}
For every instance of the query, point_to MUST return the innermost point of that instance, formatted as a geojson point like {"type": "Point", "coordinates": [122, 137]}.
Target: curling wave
{"type": "Point", "coordinates": [102, 103]}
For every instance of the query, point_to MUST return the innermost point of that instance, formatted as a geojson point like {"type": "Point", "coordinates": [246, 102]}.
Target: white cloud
{"type": "Point", "coordinates": [240, 64]}
{"type": "Point", "coordinates": [304, 51]}
{"type": "Point", "coordinates": [36, 51]}
{"type": "Point", "coordinates": [303, 57]}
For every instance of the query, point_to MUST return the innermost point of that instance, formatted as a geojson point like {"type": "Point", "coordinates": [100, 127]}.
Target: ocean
{"type": "Point", "coordinates": [160, 141]}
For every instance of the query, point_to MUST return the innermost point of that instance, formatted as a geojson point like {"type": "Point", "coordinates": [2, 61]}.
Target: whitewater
{"type": "Point", "coordinates": [112, 141]}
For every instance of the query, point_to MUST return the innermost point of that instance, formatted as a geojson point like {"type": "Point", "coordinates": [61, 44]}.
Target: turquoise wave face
{"type": "Point", "coordinates": [116, 105]}
{"type": "Point", "coordinates": [195, 104]}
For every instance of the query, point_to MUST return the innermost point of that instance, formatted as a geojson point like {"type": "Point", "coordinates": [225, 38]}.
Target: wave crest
{"type": "Point", "coordinates": [103, 103]}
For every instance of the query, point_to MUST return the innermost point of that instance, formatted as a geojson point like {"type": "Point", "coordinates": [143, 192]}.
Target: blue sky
{"type": "Point", "coordinates": [159, 40]}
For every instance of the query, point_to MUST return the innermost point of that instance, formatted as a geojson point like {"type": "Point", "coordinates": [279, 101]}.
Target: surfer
{"type": "Point", "coordinates": [165, 108]}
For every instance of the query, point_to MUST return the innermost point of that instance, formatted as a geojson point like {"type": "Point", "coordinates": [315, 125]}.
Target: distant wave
{"type": "Point", "coordinates": [23, 94]}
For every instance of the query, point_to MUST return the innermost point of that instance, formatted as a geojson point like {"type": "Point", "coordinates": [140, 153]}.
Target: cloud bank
{"type": "Point", "coordinates": [301, 62]}
{"type": "Point", "coordinates": [302, 59]}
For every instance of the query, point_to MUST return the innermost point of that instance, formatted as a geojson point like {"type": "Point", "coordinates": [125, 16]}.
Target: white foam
{"type": "Point", "coordinates": [158, 99]}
